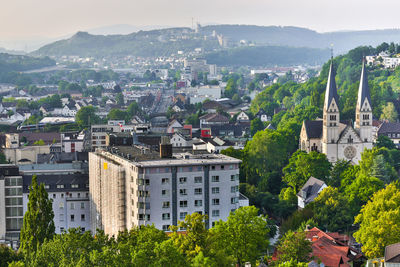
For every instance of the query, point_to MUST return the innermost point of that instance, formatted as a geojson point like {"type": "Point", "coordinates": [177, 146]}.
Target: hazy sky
{"type": "Point", "coordinates": [53, 18]}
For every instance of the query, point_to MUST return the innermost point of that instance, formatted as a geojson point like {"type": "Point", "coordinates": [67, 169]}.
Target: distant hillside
{"type": "Point", "coordinates": [143, 43]}
{"type": "Point", "coordinates": [12, 63]}
{"type": "Point", "coordinates": [301, 37]}
{"type": "Point", "coordinates": [268, 56]}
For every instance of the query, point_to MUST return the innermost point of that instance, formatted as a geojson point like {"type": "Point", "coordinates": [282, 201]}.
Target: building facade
{"type": "Point", "coordinates": [134, 188]}
{"type": "Point", "coordinates": [336, 139]}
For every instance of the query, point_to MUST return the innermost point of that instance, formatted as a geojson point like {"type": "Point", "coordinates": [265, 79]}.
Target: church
{"type": "Point", "coordinates": [334, 138]}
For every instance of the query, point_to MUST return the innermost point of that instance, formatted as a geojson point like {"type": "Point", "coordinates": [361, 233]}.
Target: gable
{"type": "Point", "coordinates": [349, 135]}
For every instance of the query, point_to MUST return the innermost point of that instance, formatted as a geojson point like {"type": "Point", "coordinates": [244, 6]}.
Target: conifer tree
{"type": "Point", "coordinates": [38, 222]}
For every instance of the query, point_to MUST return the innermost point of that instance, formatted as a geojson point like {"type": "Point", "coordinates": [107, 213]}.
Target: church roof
{"type": "Point", "coordinates": [313, 128]}
{"type": "Point", "coordinates": [331, 90]}
{"type": "Point", "coordinates": [363, 90]}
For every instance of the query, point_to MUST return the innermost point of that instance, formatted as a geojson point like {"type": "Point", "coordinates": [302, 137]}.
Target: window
{"type": "Point", "coordinates": [143, 217]}
{"type": "Point", "coordinates": [182, 192]}
{"type": "Point", "coordinates": [234, 200]}
{"type": "Point", "coordinates": [54, 195]}
{"type": "Point", "coordinates": [60, 186]}
{"type": "Point", "coordinates": [183, 203]}
{"type": "Point", "coordinates": [165, 227]}
{"type": "Point", "coordinates": [165, 204]}
{"type": "Point", "coordinates": [164, 192]}
{"type": "Point", "coordinates": [213, 167]}
{"type": "Point", "coordinates": [46, 186]}
{"type": "Point", "coordinates": [198, 203]}
{"type": "Point", "coordinates": [332, 117]}
{"type": "Point", "coordinates": [215, 178]}
{"type": "Point", "coordinates": [350, 140]}
{"type": "Point", "coordinates": [164, 180]}
{"type": "Point", "coordinates": [74, 185]}
{"type": "Point", "coordinates": [215, 201]}
{"type": "Point", "coordinates": [198, 179]}
{"type": "Point", "coordinates": [61, 205]}
{"type": "Point", "coordinates": [143, 193]}
{"type": "Point", "coordinates": [182, 215]}
{"type": "Point", "coordinates": [182, 180]}
{"type": "Point", "coordinates": [234, 189]}
{"type": "Point", "coordinates": [82, 205]}
{"type": "Point", "coordinates": [232, 177]}
{"type": "Point", "coordinates": [222, 167]}
{"type": "Point", "coordinates": [72, 206]}
{"type": "Point", "coordinates": [143, 205]}
{"type": "Point", "coordinates": [82, 217]}
{"type": "Point", "coordinates": [72, 217]}
{"type": "Point", "coordinates": [199, 168]}
{"type": "Point", "coordinates": [83, 229]}
{"type": "Point", "coordinates": [215, 213]}
{"type": "Point", "coordinates": [165, 216]}
{"type": "Point", "coordinates": [61, 217]}
{"type": "Point", "coordinates": [198, 191]}
{"type": "Point", "coordinates": [215, 190]}
{"type": "Point", "coordinates": [62, 229]}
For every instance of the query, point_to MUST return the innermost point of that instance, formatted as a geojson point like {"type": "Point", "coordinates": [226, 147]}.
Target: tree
{"type": "Point", "coordinates": [303, 165]}
{"type": "Point", "coordinates": [389, 113]}
{"type": "Point", "coordinates": [379, 222]}
{"type": "Point", "coordinates": [294, 247]}
{"type": "Point", "coordinates": [38, 222]}
{"type": "Point", "coordinates": [7, 255]}
{"type": "Point", "coordinates": [337, 172]}
{"type": "Point", "coordinates": [116, 114]}
{"type": "Point", "coordinates": [133, 109]}
{"type": "Point", "coordinates": [244, 235]}
{"type": "Point", "coordinates": [329, 202]}
{"type": "Point", "coordinates": [255, 126]}
{"type": "Point", "coordinates": [40, 142]}
{"type": "Point", "coordinates": [86, 116]}
{"type": "Point", "coordinates": [119, 98]}
{"type": "Point", "coordinates": [384, 141]}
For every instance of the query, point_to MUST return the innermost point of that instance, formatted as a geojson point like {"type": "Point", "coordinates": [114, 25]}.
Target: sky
{"type": "Point", "coordinates": [24, 19]}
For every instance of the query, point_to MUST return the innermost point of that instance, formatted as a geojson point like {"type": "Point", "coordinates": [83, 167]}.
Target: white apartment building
{"type": "Point", "coordinates": [99, 132]}
{"type": "Point", "coordinates": [130, 186]}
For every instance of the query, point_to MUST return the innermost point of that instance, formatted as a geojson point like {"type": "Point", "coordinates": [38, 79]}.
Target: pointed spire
{"type": "Point", "coordinates": [331, 90]}
{"type": "Point", "coordinates": [363, 90]}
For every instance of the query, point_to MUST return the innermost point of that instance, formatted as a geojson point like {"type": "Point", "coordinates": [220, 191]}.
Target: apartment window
{"type": "Point", "coordinates": [182, 192]}
{"type": "Point", "coordinates": [143, 193]}
{"type": "Point", "coordinates": [143, 182]}
{"type": "Point", "coordinates": [215, 178]}
{"type": "Point", "coordinates": [198, 203]}
{"type": "Point", "coordinates": [233, 178]}
{"type": "Point", "coordinates": [215, 201]}
{"type": "Point", "coordinates": [165, 227]}
{"type": "Point", "coordinates": [54, 195]}
{"type": "Point", "coordinates": [164, 192]}
{"type": "Point", "coordinates": [198, 179]}
{"type": "Point", "coordinates": [165, 216]}
{"type": "Point", "coordinates": [213, 167]}
{"type": "Point", "coordinates": [72, 217]}
{"type": "Point", "coordinates": [60, 186]}
{"type": "Point", "coordinates": [46, 186]}
{"type": "Point", "coordinates": [165, 204]}
{"type": "Point", "coordinates": [182, 215]}
{"type": "Point", "coordinates": [231, 167]}
{"type": "Point", "coordinates": [74, 186]}
{"type": "Point", "coordinates": [83, 229]}
{"type": "Point", "coordinates": [144, 217]}
{"type": "Point", "coordinates": [222, 167]}
{"type": "Point", "coordinates": [82, 205]}
{"type": "Point", "coordinates": [215, 213]}
{"type": "Point", "coordinates": [164, 180]}
{"type": "Point", "coordinates": [61, 217]}
{"type": "Point", "coordinates": [82, 217]}
{"type": "Point", "coordinates": [61, 205]}
{"type": "Point", "coordinates": [215, 190]}
{"type": "Point", "coordinates": [183, 203]}
{"type": "Point", "coordinates": [234, 189]}
{"type": "Point", "coordinates": [199, 212]}
{"type": "Point", "coordinates": [182, 180]}
{"type": "Point", "coordinates": [234, 200]}
{"type": "Point", "coordinates": [199, 168]}
{"type": "Point", "coordinates": [143, 205]}
{"type": "Point", "coordinates": [62, 229]}
{"type": "Point", "coordinates": [198, 191]}
{"type": "Point", "coordinates": [72, 206]}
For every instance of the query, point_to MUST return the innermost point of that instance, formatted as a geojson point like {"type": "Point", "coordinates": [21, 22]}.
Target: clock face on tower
{"type": "Point", "coordinates": [350, 152]}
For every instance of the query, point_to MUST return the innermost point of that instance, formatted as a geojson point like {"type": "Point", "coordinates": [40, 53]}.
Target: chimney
{"type": "Point", "coordinates": [165, 147]}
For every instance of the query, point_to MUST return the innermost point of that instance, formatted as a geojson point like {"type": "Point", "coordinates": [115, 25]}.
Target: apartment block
{"type": "Point", "coordinates": [132, 186]}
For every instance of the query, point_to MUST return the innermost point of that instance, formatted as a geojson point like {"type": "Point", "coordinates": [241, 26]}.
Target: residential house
{"type": "Point", "coordinates": [391, 130]}
{"type": "Point", "coordinates": [213, 119]}
{"type": "Point", "coordinates": [174, 125]}
{"type": "Point", "coordinates": [310, 191]}
{"type": "Point", "coordinates": [242, 117]}
{"type": "Point", "coordinates": [263, 116]}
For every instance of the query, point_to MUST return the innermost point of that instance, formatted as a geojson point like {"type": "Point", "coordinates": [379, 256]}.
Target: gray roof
{"type": "Point", "coordinates": [331, 90]}
{"type": "Point", "coordinates": [392, 253]}
{"type": "Point", "coordinates": [311, 188]}
{"type": "Point", "coordinates": [389, 127]}
{"type": "Point", "coordinates": [363, 90]}
{"type": "Point", "coordinates": [313, 128]}
{"type": "Point", "coordinates": [58, 179]}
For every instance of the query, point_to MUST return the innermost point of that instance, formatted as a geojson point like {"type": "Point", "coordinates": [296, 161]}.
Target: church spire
{"type": "Point", "coordinates": [331, 90]}
{"type": "Point", "coordinates": [363, 90]}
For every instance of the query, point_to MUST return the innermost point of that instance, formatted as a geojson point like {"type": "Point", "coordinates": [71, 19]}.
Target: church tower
{"type": "Point", "coordinates": [363, 123]}
{"type": "Point", "coordinates": [330, 127]}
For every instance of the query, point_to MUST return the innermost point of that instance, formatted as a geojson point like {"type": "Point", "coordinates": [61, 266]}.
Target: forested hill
{"type": "Point", "coordinates": [165, 42]}
{"type": "Point", "coordinates": [261, 56]}
{"type": "Point", "coordinates": [12, 63]}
